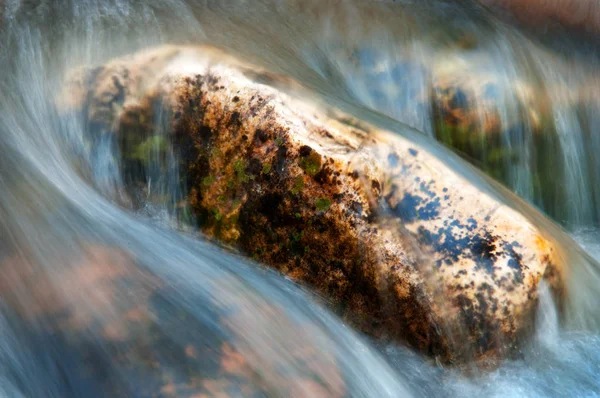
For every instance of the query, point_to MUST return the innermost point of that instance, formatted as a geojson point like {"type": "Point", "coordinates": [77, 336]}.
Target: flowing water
{"type": "Point", "coordinates": [97, 300]}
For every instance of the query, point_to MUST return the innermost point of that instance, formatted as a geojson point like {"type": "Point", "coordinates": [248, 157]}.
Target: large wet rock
{"type": "Point", "coordinates": [397, 242]}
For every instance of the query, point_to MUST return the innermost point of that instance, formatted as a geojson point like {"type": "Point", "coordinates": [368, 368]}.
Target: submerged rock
{"type": "Point", "coordinates": [483, 105]}
{"type": "Point", "coordinates": [397, 242]}
{"type": "Point", "coordinates": [120, 329]}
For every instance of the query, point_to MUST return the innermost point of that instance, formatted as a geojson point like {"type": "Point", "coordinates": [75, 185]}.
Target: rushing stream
{"type": "Point", "coordinates": [74, 258]}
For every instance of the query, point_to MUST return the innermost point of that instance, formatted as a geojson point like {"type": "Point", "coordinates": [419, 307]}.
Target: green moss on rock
{"type": "Point", "coordinates": [311, 163]}
{"type": "Point", "coordinates": [323, 204]}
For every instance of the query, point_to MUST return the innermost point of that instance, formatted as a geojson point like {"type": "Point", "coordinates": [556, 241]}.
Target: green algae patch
{"type": "Point", "coordinates": [207, 181]}
{"type": "Point", "coordinates": [323, 204]}
{"type": "Point", "coordinates": [217, 214]}
{"type": "Point", "coordinates": [266, 168]}
{"type": "Point", "coordinates": [154, 144]}
{"type": "Point", "coordinates": [216, 152]}
{"type": "Point", "coordinates": [298, 185]}
{"type": "Point", "coordinates": [297, 236]}
{"type": "Point", "coordinates": [311, 163]}
{"type": "Point", "coordinates": [240, 170]}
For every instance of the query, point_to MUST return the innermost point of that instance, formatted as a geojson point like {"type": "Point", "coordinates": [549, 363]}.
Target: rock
{"type": "Point", "coordinates": [478, 111]}
{"type": "Point", "coordinates": [468, 98]}
{"type": "Point", "coordinates": [398, 243]}
{"type": "Point", "coordinates": [519, 125]}
{"type": "Point", "coordinates": [116, 329]}
{"type": "Point", "coordinates": [460, 96]}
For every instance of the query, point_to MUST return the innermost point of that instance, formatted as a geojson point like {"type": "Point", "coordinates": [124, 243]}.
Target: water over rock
{"type": "Point", "coordinates": [398, 243]}
{"type": "Point", "coordinates": [83, 302]}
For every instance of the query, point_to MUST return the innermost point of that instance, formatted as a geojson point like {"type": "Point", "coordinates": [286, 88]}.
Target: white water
{"type": "Point", "coordinates": [50, 215]}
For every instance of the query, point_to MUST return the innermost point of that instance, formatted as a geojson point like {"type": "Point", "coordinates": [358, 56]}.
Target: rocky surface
{"type": "Point", "coordinates": [399, 244]}
{"type": "Point", "coordinates": [116, 329]}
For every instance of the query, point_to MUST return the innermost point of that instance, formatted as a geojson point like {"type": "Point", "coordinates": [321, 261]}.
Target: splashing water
{"type": "Point", "coordinates": [99, 301]}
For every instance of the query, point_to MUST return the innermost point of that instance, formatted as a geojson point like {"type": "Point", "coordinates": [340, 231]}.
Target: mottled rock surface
{"type": "Point", "coordinates": [116, 329]}
{"type": "Point", "coordinates": [400, 245]}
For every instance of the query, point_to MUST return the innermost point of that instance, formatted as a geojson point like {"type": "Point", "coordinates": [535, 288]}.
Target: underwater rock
{"type": "Point", "coordinates": [483, 105]}
{"type": "Point", "coordinates": [476, 112]}
{"type": "Point", "coordinates": [459, 96]}
{"type": "Point", "coordinates": [398, 243]}
{"type": "Point", "coordinates": [115, 327]}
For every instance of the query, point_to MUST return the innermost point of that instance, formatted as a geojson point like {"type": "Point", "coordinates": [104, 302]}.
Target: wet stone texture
{"type": "Point", "coordinates": [121, 331]}
{"type": "Point", "coordinates": [399, 245]}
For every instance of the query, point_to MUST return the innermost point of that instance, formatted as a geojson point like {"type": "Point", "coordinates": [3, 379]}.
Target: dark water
{"type": "Point", "coordinates": [97, 300]}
